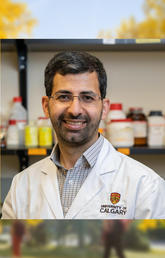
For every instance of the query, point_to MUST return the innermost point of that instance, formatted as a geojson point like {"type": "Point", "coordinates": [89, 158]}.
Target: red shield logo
{"type": "Point", "coordinates": [115, 198]}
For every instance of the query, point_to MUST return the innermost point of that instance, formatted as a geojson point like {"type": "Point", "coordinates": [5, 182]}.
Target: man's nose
{"type": "Point", "coordinates": [75, 107]}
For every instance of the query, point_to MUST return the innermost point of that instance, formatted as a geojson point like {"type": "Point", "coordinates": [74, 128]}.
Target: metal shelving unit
{"type": "Point", "coordinates": [23, 46]}
{"type": "Point", "coordinates": [24, 153]}
{"type": "Point", "coordinates": [85, 44]}
{"type": "Point", "coordinates": [39, 151]}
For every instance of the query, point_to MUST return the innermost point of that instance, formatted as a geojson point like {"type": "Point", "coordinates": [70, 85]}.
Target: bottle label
{"type": "Point", "coordinates": [140, 129]}
{"type": "Point", "coordinates": [155, 134]}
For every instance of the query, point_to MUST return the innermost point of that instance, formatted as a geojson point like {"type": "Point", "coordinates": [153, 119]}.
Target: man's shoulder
{"type": "Point", "coordinates": [127, 163]}
{"type": "Point", "coordinates": [35, 168]}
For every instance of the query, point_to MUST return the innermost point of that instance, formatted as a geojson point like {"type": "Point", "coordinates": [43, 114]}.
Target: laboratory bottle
{"type": "Point", "coordinates": [31, 134]}
{"type": "Point", "coordinates": [139, 125]}
{"type": "Point", "coordinates": [44, 132]}
{"type": "Point", "coordinates": [19, 114]}
{"type": "Point", "coordinates": [121, 133]}
{"type": "Point", "coordinates": [156, 127]}
{"type": "Point", "coordinates": [12, 134]}
{"type": "Point", "coordinates": [116, 112]}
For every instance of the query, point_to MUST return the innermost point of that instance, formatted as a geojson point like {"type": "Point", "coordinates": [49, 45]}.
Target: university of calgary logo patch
{"type": "Point", "coordinates": [115, 198]}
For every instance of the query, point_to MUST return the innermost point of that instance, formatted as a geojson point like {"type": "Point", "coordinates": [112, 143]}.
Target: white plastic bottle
{"type": "Point", "coordinates": [19, 114]}
{"type": "Point", "coordinates": [121, 132]}
{"type": "Point", "coordinates": [12, 134]}
{"type": "Point", "coordinates": [115, 112]}
{"type": "Point", "coordinates": [156, 125]}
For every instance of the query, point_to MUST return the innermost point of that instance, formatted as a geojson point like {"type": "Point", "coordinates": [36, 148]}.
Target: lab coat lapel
{"type": "Point", "coordinates": [89, 189]}
{"type": "Point", "coordinates": [50, 188]}
{"type": "Point", "coordinates": [107, 162]}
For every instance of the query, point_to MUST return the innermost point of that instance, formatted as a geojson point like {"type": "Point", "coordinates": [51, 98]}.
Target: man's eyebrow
{"type": "Point", "coordinates": [63, 91]}
{"type": "Point", "coordinates": [88, 92]}
{"type": "Point", "coordinates": [82, 92]}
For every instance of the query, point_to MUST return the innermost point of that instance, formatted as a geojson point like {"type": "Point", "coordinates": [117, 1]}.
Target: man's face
{"type": "Point", "coordinates": [75, 123]}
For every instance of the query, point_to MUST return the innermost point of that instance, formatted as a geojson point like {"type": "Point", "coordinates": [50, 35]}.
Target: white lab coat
{"type": "Point", "coordinates": [34, 193]}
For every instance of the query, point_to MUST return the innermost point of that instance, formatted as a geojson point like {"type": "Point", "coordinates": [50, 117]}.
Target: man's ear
{"type": "Point", "coordinates": [45, 103]}
{"type": "Point", "coordinates": [106, 105]}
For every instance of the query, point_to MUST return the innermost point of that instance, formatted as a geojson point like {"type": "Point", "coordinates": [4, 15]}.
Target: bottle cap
{"type": "Point", "coordinates": [135, 109]}
{"type": "Point", "coordinates": [116, 106]}
{"type": "Point", "coordinates": [12, 122]}
{"type": "Point", "coordinates": [121, 120]}
{"type": "Point", "coordinates": [17, 99]}
{"type": "Point", "coordinates": [155, 113]}
{"type": "Point", "coordinates": [42, 117]}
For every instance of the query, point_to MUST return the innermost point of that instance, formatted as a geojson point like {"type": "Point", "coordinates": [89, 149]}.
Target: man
{"type": "Point", "coordinates": [113, 236]}
{"type": "Point", "coordinates": [85, 177]}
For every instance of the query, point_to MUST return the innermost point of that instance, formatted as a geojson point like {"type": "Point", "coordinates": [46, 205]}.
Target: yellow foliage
{"type": "Point", "coordinates": [162, 223]}
{"type": "Point", "coordinates": [152, 27]}
{"type": "Point", "coordinates": [14, 19]}
{"type": "Point", "coordinates": [144, 225]}
{"type": "Point", "coordinates": [34, 222]}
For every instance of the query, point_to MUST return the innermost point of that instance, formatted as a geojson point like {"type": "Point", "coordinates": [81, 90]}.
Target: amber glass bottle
{"type": "Point", "coordinates": [140, 126]}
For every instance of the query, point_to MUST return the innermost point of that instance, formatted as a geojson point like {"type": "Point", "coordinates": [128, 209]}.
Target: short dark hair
{"type": "Point", "coordinates": [74, 62]}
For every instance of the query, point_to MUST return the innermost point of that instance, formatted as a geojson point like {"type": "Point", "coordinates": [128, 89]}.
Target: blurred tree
{"type": "Point", "coordinates": [34, 222]}
{"type": "Point", "coordinates": [153, 26]}
{"type": "Point", "coordinates": [79, 227]}
{"type": "Point", "coordinates": [1, 227]}
{"type": "Point", "coordinates": [15, 19]}
{"type": "Point", "coordinates": [94, 229]}
{"type": "Point", "coordinates": [135, 239]}
{"type": "Point", "coordinates": [155, 229]}
{"type": "Point", "coordinates": [144, 225]}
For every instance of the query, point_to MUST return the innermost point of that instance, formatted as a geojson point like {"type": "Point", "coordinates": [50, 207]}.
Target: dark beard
{"type": "Point", "coordinates": [77, 139]}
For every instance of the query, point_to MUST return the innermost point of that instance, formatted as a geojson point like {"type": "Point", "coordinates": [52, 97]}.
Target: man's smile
{"type": "Point", "coordinates": [74, 124]}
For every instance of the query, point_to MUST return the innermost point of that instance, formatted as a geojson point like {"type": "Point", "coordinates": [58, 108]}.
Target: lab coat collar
{"type": "Point", "coordinates": [109, 159]}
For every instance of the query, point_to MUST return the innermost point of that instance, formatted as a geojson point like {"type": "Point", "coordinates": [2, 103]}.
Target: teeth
{"type": "Point", "coordinates": [74, 123]}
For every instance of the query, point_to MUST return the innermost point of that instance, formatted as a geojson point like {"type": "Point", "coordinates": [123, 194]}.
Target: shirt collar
{"type": "Point", "coordinates": [90, 155]}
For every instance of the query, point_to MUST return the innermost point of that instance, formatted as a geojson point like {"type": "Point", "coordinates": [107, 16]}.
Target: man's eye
{"type": "Point", "coordinates": [64, 97]}
{"type": "Point", "coordinates": [87, 98]}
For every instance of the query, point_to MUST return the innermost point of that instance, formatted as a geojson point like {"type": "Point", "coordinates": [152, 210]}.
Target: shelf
{"type": "Point", "coordinates": [142, 150]}
{"type": "Point", "coordinates": [87, 44]}
{"type": "Point", "coordinates": [38, 151]}
{"type": "Point", "coordinates": [33, 151]}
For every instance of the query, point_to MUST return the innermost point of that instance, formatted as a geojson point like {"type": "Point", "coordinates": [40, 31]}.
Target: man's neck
{"type": "Point", "coordinates": [70, 154]}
